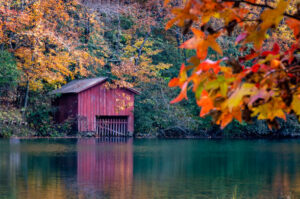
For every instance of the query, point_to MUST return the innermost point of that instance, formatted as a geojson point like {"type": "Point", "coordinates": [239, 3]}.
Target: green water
{"type": "Point", "coordinates": [142, 169]}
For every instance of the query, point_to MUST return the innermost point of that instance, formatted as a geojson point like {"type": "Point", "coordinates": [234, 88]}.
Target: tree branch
{"type": "Point", "coordinates": [262, 6]}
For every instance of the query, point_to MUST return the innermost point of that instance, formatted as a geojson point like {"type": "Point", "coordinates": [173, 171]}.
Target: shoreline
{"type": "Point", "coordinates": [158, 137]}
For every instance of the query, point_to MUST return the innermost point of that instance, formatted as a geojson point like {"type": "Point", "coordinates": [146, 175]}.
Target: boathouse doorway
{"type": "Point", "coordinates": [112, 126]}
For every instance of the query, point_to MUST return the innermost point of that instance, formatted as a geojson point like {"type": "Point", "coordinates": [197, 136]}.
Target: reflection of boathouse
{"type": "Point", "coordinates": [97, 108]}
{"type": "Point", "coordinates": [106, 166]}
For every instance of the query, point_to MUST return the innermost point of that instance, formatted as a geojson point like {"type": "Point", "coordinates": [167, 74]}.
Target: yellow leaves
{"type": "Point", "coordinates": [162, 66]}
{"type": "Point", "coordinates": [201, 43]}
{"type": "Point", "coordinates": [137, 61]}
{"type": "Point", "coordinates": [257, 37]}
{"type": "Point", "coordinates": [35, 85]}
{"type": "Point", "coordinates": [236, 99]}
{"type": "Point", "coordinates": [270, 110]}
{"type": "Point", "coordinates": [272, 17]}
{"type": "Point", "coordinates": [296, 104]}
{"type": "Point", "coordinates": [51, 39]}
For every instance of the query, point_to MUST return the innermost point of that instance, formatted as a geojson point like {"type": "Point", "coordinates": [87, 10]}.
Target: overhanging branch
{"type": "Point", "coordinates": [263, 6]}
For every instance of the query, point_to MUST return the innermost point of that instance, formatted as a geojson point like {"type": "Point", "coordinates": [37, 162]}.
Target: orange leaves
{"type": "Point", "coordinates": [182, 78]}
{"type": "Point", "coordinates": [206, 103]}
{"type": "Point", "coordinates": [272, 17]}
{"type": "Point", "coordinates": [227, 116]}
{"type": "Point", "coordinates": [182, 95]}
{"type": "Point", "coordinates": [181, 15]}
{"type": "Point", "coordinates": [210, 65]}
{"type": "Point", "coordinates": [201, 43]}
{"type": "Point", "coordinates": [262, 91]}
{"type": "Point", "coordinates": [181, 82]}
{"type": "Point", "coordinates": [269, 88]}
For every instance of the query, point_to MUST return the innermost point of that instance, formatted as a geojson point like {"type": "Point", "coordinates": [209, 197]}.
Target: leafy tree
{"type": "Point", "coordinates": [227, 88]}
{"type": "Point", "coordinates": [45, 36]}
{"type": "Point", "coordinates": [9, 73]}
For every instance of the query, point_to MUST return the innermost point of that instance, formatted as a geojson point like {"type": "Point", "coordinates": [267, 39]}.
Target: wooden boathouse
{"type": "Point", "coordinates": [96, 107]}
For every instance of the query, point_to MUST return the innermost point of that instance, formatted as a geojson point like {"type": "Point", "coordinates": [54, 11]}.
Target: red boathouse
{"type": "Point", "coordinates": [96, 108]}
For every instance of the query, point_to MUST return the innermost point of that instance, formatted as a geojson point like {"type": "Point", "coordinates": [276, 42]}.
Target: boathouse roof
{"type": "Point", "coordinates": [77, 86]}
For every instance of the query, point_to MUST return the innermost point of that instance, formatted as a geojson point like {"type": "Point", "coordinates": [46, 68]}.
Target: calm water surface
{"type": "Point", "coordinates": [117, 169]}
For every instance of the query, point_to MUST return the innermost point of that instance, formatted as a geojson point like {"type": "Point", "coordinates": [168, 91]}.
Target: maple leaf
{"type": "Point", "coordinates": [210, 65]}
{"type": "Point", "coordinates": [220, 83]}
{"type": "Point", "coordinates": [272, 17]}
{"type": "Point", "coordinates": [255, 89]}
{"type": "Point", "coordinates": [201, 43]}
{"type": "Point", "coordinates": [271, 110]}
{"type": "Point", "coordinates": [257, 37]}
{"type": "Point", "coordinates": [261, 94]}
{"type": "Point", "coordinates": [236, 99]}
{"type": "Point", "coordinates": [227, 116]}
{"type": "Point", "coordinates": [182, 95]}
{"type": "Point", "coordinates": [275, 51]}
{"type": "Point", "coordinates": [295, 26]}
{"type": "Point", "coordinates": [181, 15]}
{"type": "Point", "coordinates": [181, 82]}
{"type": "Point", "coordinates": [296, 104]}
{"type": "Point", "coordinates": [181, 79]}
{"type": "Point", "coordinates": [206, 103]}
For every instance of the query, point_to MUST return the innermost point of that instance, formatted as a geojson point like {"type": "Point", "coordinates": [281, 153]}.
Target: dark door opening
{"type": "Point", "coordinates": [112, 126]}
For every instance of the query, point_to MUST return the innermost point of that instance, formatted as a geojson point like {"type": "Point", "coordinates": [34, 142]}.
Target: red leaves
{"type": "Point", "coordinates": [255, 68]}
{"type": "Point", "coordinates": [256, 89]}
{"type": "Point", "coordinates": [295, 26]}
{"type": "Point", "coordinates": [210, 65]}
{"type": "Point", "coordinates": [275, 51]}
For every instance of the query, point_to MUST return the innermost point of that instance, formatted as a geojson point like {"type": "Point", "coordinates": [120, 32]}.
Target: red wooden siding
{"type": "Point", "coordinates": [100, 101]}
{"type": "Point", "coordinates": [67, 106]}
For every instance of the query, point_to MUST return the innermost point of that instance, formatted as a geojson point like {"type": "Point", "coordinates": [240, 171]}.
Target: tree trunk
{"type": "Point", "coordinates": [26, 98]}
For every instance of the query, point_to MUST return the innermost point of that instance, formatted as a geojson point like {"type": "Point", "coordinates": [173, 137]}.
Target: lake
{"type": "Point", "coordinates": [120, 168]}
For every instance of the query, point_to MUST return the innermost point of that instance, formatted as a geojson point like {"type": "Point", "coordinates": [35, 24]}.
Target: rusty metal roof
{"type": "Point", "coordinates": [77, 86]}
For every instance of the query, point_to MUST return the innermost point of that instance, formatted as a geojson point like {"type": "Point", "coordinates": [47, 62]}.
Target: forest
{"type": "Point", "coordinates": [227, 68]}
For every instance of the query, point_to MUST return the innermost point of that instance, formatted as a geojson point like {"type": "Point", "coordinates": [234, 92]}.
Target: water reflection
{"type": "Point", "coordinates": [218, 169]}
{"type": "Point", "coordinates": [122, 168]}
{"type": "Point", "coordinates": [105, 168]}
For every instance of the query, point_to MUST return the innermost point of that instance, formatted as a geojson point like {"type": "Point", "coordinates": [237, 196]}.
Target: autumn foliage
{"type": "Point", "coordinates": [45, 37]}
{"type": "Point", "coordinates": [229, 88]}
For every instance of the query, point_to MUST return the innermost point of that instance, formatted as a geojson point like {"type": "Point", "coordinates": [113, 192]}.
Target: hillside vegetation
{"type": "Point", "coordinates": [45, 44]}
